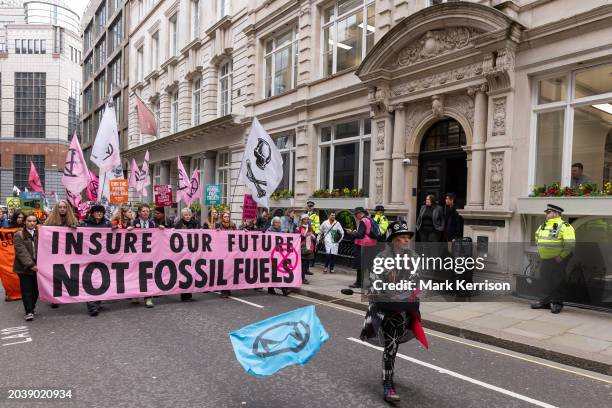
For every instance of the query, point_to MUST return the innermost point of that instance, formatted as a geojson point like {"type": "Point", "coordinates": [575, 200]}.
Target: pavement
{"type": "Point", "coordinates": [179, 355]}
{"type": "Point", "coordinates": [577, 337]}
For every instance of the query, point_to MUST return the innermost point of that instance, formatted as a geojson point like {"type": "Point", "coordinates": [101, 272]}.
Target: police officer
{"type": "Point", "coordinates": [556, 240]}
{"type": "Point", "coordinates": [382, 221]}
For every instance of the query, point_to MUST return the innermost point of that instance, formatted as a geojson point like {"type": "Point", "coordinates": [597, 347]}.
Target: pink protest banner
{"type": "Point", "coordinates": [90, 264]}
{"type": "Point", "coordinates": [249, 208]}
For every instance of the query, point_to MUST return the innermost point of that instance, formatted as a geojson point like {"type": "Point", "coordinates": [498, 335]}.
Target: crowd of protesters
{"type": "Point", "coordinates": [314, 236]}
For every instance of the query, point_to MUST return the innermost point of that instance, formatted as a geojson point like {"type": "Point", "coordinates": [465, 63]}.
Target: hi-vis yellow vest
{"type": "Point", "coordinates": [315, 221]}
{"type": "Point", "coordinates": [555, 238]}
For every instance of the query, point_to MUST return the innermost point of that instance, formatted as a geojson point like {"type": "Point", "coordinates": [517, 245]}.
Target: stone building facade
{"type": "Point", "coordinates": [486, 99]}
{"type": "Point", "coordinates": [40, 87]}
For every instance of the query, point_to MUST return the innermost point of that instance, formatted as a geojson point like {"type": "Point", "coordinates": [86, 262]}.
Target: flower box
{"type": "Point", "coordinates": [282, 203]}
{"type": "Point", "coordinates": [573, 206]}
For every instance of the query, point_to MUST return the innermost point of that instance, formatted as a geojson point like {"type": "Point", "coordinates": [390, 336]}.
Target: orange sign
{"type": "Point", "coordinates": [118, 191]}
{"type": "Point", "coordinates": [9, 278]}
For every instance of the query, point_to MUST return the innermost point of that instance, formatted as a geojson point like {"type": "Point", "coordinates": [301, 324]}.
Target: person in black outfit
{"type": "Point", "coordinates": [24, 265]}
{"type": "Point", "coordinates": [452, 219]}
{"type": "Point", "coordinates": [96, 220]}
{"type": "Point", "coordinates": [187, 222]}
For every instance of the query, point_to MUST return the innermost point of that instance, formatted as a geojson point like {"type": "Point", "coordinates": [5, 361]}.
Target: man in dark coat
{"type": "Point", "coordinates": [25, 243]}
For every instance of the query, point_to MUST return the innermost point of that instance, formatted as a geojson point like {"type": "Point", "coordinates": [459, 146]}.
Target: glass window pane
{"type": "Point", "coordinates": [370, 27]}
{"type": "Point", "coordinates": [282, 74]}
{"type": "Point", "coordinates": [594, 81]}
{"type": "Point", "coordinates": [349, 129]}
{"type": "Point", "coordinates": [325, 134]}
{"type": "Point", "coordinates": [328, 14]}
{"type": "Point", "coordinates": [348, 5]}
{"type": "Point", "coordinates": [268, 77]}
{"type": "Point", "coordinates": [366, 167]}
{"type": "Point", "coordinates": [325, 163]}
{"type": "Point", "coordinates": [349, 41]}
{"type": "Point", "coordinates": [284, 39]}
{"type": "Point", "coordinates": [328, 51]}
{"type": "Point", "coordinates": [346, 166]}
{"type": "Point", "coordinates": [284, 184]}
{"type": "Point", "coordinates": [592, 145]}
{"type": "Point", "coordinates": [281, 142]}
{"type": "Point", "coordinates": [549, 147]}
{"type": "Point", "coordinates": [552, 90]}
{"type": "Point", "coordinates": [367, 126]}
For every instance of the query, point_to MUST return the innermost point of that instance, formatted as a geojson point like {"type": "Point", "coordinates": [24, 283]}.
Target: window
{"type": "Point", "coordinates": [173, 40]}
{"type": "Point", "coordinates": [100, 54]}
{"type": "Point", "coordinates": [155, 51]}
{"type": "Point", "coordinates": [139, 64]}
{"type": "Point", "coordinates": [17, 46]}
{"type": "Point", "coordinates": [281, 63]}
{"type": "Point", "coordinates": [88, 68]}
{"type": "Point", "coordinates": [36, 46]}
{"type": "Point", "coordinates": [114, 69]}
{"type": "Point", "coordinates": [88, 99]}
{"type": "Point", "coordinates": [100, 18]}
{"type": "Point", "coordinates": [348, 34]}
{"type": "Point", "coordinates": [197, 84]}
{"type": "Point", "coordinates": [43, 47]}
{"type": "Point", "coordinates": [225, 89]}
{"type": "Point", "coordinates": [223, 174]}
{"type": "Point", "coordinates": [100, 83]}
{"type": "Point", "coordinates": [87, 137]}
{"type": "Point", "coordinates": [21, 169]}
{"type": "Point", "coordinates": [195, 19]}
{"type": "Point", "coordinates": [118, 110]}
{"type": "Point", "coordinates": [572, 141]}
{"type": "Point", "coordinates": [74, 107]}
{"type": "Point", "coordinates": [30, 104]}
{"type": "Point", "coordinates": [223, 8]}
{"type": "Point", "coordinates": [344, 150]}
{"type": "Point", "coordinates": [286, 147]}
{"type": "Point", "coordinates": [115, 35]}
{"type": "Point", "coordinates": [174, 112]}
{"type": "Point", "coordinates": [87, 38]}
{"type": "Point", "coordinates": [97, 119]}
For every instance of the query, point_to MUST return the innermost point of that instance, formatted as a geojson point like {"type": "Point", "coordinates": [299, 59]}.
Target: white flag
{"type": "Point", "coordinates": [262, 165]}
{"type": "Point", "coordinates": [16, 191]}
{"type": "Point", "coordinates": [105, 151]}
{"type": "Point", "coordinates": [144, 177]}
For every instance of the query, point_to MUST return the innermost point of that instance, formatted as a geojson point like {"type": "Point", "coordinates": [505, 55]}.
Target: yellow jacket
{"type": "Point", "coordinates": [383, 223]}
{"type": "Point", "coordinates": [315, 221]}
{"type": "Point", "coordinates": [555, 238]}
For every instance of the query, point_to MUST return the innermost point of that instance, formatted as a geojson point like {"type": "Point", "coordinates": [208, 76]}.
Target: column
{"type": "Point", "coordinates": [165, 172]}
{"type": "Point", "coordinates": [399, 150]}
{"type": "Point", "coordinates": [184, 105]}
{"type": "Point", "coordinates": [164, 114]}
{"type": "Point", "coordinates": [477, 170]}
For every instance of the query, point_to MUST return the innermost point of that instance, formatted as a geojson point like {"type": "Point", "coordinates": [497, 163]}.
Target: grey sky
{"type": "Point", "coordinates": [78, 6]}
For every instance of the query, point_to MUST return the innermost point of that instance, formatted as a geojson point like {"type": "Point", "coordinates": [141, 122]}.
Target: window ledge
{"type": "Point", "coordinates": [573, 206]}
{"type": "Point", "coordinates": [332, 76]}
{"type": "Point", "coordinates": [194, 44]}
{"type": "Point", "coordinates": [151, 75]}
{"type": "Point", "coordinates": [171, 61]}
{"type": "Point", "coordinates": [137, 85]}
{"type": "Point", "coordinates": [282, 203]}
{"type": "Point", "coordinates": [348, 203]}
{"type": "Point", "coordinates": [225, 22]}
{"type": "Point", "coordinates": [271, 98]}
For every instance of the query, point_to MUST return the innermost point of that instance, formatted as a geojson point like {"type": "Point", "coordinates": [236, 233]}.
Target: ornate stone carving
{"type": "Point", "coordinates": [380, 135]}
{"type": "Point", "coordinates": [496, 193]}
{"type": "Point", "coordinates": [378, 98]}
{"type": "Point", "coordinates": [447, 77]}
{"type": "Point", "coordinates": [497, 68]}
{"type": "Point", "coordinates": [415, 114]}
{"type": "Point", "coordinates": [379, 183]}
{"type": "Point", "coordinates": [437, 106]}
{"type": "Point", "coordinates": [464, 105]}
{"type": "Point", "coordinates": [499, 116]}
{"type": "Point", "coordinates": [434, 43]}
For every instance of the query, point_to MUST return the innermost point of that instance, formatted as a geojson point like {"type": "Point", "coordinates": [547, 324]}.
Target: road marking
{"type": "Point", "coordinates": [247, 302]}
{"type": "Point", "coordinates": [462, 377]}
{"type": "Point", "coordinates": [472, 344]}
{"type": "Point", "coordinates": [12, 333]}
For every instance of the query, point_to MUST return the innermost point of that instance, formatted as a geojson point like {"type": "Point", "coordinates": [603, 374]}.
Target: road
{"type": "Point", "coordinates": [179, 355]}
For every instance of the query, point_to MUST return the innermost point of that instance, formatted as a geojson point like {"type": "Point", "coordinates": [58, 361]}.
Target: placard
{"type": "Point", "coordinates": [213, 194]}
{"type": "Point", "coordinates": [163, 195]}
{"type": "Point", "coordinates": [249, 208]}
{"type": "Point", "coordinates": [118, 189]}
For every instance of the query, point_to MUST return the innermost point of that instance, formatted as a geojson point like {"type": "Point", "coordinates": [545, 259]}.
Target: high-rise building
{"type": "Point", "coordinates": [105, 67]}
{"type": "Point", "coordinates": [40, 91]}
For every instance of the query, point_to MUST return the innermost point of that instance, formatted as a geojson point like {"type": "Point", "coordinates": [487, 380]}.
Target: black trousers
{"type": "Point", "coordinates": [93, 307]}
{"type": "Point", "coordinates": [552, 276]}
{"type": "Point", "coordinates": [29, 291]}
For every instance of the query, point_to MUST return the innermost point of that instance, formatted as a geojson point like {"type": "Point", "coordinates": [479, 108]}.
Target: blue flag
{"type": "Point", "coordinates": [265, 347]}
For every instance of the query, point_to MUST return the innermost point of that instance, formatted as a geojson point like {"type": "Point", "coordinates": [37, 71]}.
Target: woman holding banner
{"type": "Point", "coordinates": [213, 217]}
{"type": "Point", "coordinates": [24, 265]}
{"type": "Point", "coordinates": [187, 222]}
{"type": "Point", "coordinates": [123, 218]}
{"type": "Point", "coordinates": [226, 224]}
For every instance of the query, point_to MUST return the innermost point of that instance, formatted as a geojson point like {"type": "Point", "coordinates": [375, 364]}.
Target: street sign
{"type": "Point", "coordinates": [163, 195]}
{"type": "Point", "coordinates": [213, 194]}
{"type": "Point", "coordinates": [118, 189]}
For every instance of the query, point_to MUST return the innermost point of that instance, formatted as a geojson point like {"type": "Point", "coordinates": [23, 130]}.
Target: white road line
{"type": "Point", "coordinates": [247, 302]}
{"type": "Point", "coordinates": [507, 353]}
{"type": "Point", "coordinates": [461, 376]}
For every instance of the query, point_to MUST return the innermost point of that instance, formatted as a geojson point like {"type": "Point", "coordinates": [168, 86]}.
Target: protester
{"type": "Point", "coordinates": [96, 219]}
{"type": "Point", "coordinates": [248, 225]}
{"type": "Point", "coordinates": [331, 234]}
{"type": "Point", "coordinates": [213, 217]}
{"type": "Point", "coordinates": [275, 226]}
{"type": "Point", "coordinates": [288, 223]}
{"type": "Point", "coordinates": [226, 224]}
{"type": "Point", "coordinates": [307, 242]}
{"type": "Point", "coordinates": [25, 243]}
{"type": "Point", "coordinates": [393, 316]}
{"type": "Point", "coordinates": [187, 222]}
{"type": "Point", "coordinates": [123, 218]}
{"type": "Point", "coordinates": [18, 219]}
{"type": "Point", "coordinates": [263, 222]}
{"type": "Point", "coordinates": [4, 218]}
{"type": "Point", "coordinates": [143, 221]}
{"type": "Point", "coordinates": [62, 215]}
{"type": "Point", "coordinates": [363, 244]}
{"type": "Point", "coordinates": [159, 216]}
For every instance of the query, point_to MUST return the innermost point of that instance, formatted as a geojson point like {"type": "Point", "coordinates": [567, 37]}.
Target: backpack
{"type": "Point", "coordinates": [374, 229]}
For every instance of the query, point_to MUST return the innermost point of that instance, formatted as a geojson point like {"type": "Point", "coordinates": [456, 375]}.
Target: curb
{"type": "Point", "coordinates": [551, 355]}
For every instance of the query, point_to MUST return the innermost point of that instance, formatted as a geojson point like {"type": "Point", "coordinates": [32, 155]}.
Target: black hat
{"type": "Point", "coordinates": [379, 208]}
{"type": "Point", "coordinates": [551, 207]}
{"type": "Point", "coordinates": [359, 209]}
{"type": "Point", "coordinates": [97, 208]}
{"type": "Point", "coordinates": [398, 228]}
{"type": "Point", "coordinates": [159, 209]}
{"type": "Point", "coordinates": [310, 203]}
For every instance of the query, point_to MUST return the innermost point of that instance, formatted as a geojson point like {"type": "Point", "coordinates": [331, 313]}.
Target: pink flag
{"type": "Point", "coordinates": [92, 187]}
{"type": "Point", "coordinates": [146, 119]}
{"type": "Point", "coordinates": [133, 181]}
{"type": "Point", "coordinates": [76, 175]}
{"type": "Point", "coordinates": [193, 192]}
{"type": "Point", "coordinates": [183, 184]}
{"type": "Point", "coordinates": [144, 178]}
{"type": "Point", "coordinates": [34, 179]}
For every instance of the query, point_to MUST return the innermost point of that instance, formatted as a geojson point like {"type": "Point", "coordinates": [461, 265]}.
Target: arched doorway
{"type": "Point", "coordinates": [443, 163]}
